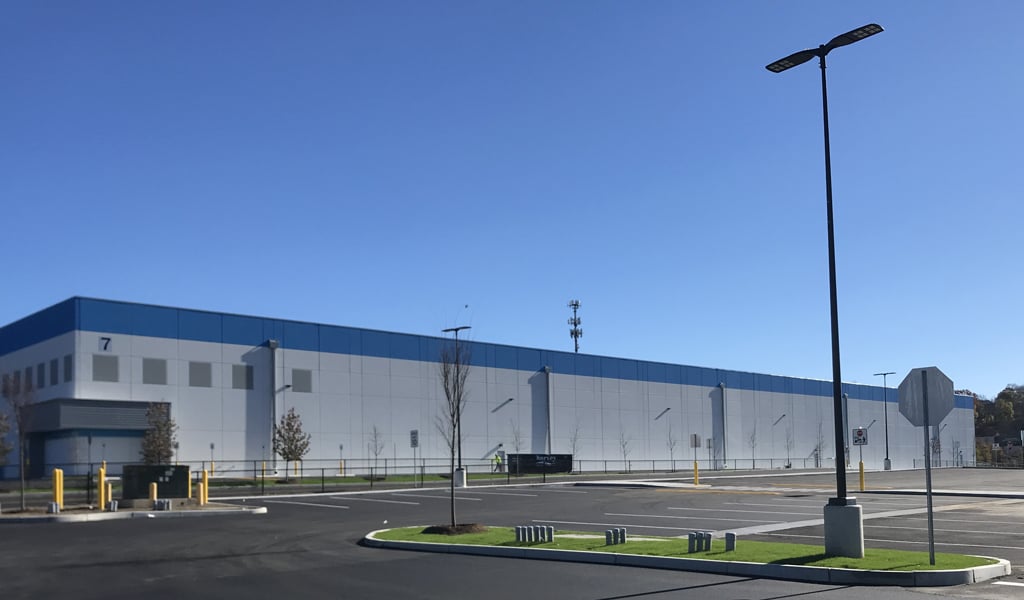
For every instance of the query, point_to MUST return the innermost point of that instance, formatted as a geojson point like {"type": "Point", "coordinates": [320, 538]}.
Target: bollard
{"type": "Point", "coordinates": [55, 486]}
{"type": "Point", "coordinates": [199, 492]}
{"type": "Point", "coordinates": [53, 508]}
{"type": "Point", "coordinates": [616, 535]}
{"type": "Point", "coordinates": [862, 476]}
{"type": "Point", "coordinates": [730, 541]}
{"type": "Point", "coordinates": [551, 533]}
{"type": "Point", "coordinates": [60, 498]}
{"type": "Point", "coordinates": [542, 533]}
{"type": "Point", "coordinates": [152, 490]}
{"type": "Point", "coordinates": [692, 545]}
{"type": "Point", "coordinates": [529, 534]}
{"type": "Point", "coordinates": [519, 533]}
{"type": "Point", "coordinates": [211, 468]}
{"type": "Point", "coordinates": [204, 494]}
{"type": "Point", "coordinates": [608, 540]}
{"type": "Point", "coordinates": [707, 541]}
{"type": "Point", "coordinates": [696, 473]}
{"type": "Point", "coordinates": [190, 485]}
{"type": "Point", "coordinates": [112, 506]}
{"type": "Point", "coordinates": [101, 485]}
{"type": "Point", "coordinates": [110, 492]}
{"type": "Point", "coordinates": [622, 535]}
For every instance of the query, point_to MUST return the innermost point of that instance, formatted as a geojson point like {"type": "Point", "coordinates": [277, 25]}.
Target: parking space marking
{"type": "Point", "coordinates": [937, 543]}
{"type": "Point", "coordinates": [612, 525]}
{"type": "Point", "coordinates": [1013, 583]}
{"type": "Point", "coordinates": [350, 498]}
{"type": "Point", "coordinates": [559, 491]}
{"type": "Point", "coordinates": [436, 497]}
{"type": "Point", "coordinates": [304, 503]}
{"type": "Point", "coordinates": [918, 528]}
{"type": "Point", "coordinates": [688, 518]}
{"type": "Point", "coordinates": [729, 510]}
{"type": "Point", "coordinates": [501, 494]}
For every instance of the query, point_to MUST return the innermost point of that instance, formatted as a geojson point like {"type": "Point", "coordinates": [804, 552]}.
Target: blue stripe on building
{"type": "Point", "coordinates": [108, 316]}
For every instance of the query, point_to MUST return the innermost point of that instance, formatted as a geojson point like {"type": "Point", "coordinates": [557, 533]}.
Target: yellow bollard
{"type": "Point", "coordinates": [101, 485]}
{"type": "Point", "coordinates": [696, 474]}
{"type": "Point", "coordinates": [60, 484]}
{"type": "Point", "coordinates": [200, 492]}
{"type": "Point", "coordinates": [263, 470]}
{"type": "Point", "coordinates": [862, 476]}
{"type": "Point", "coordinates": [204, 494]}
{"type": "Point", "coordinates": [152, 490]}
{"type": "Point", "coordinates": [341, 467]}
{"type": "Point", "coordinates": [56, 485]}
{"type": "Point", "coordinates": [296, 469]}
{"type": "Point", "coordinates": [212, 465]}
{"type": "Point", "coordinates": [103, 465]}
{"type": "Point", "coordinates": [190, 485]}
{"type": "Point", "coordinates": [110, 492]}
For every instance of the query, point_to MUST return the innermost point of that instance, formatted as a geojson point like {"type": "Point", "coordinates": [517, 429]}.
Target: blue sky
{"type": "Point", "coordinates": [409, 166]}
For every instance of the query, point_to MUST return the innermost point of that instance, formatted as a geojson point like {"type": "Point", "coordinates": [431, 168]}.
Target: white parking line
{"type": "Point", "coordinates": [721, 510]}
{"type": "Point", "coordinates": [1013, 583]}
{"type": "Point", "coordinates": [612, 525]}
{"type": "Point", "coordinates": [559, 491]}
{"type": "Point", "coordinates": [903, 542]}
{"type": "Point", "coordinates": [500, 494]}
{"type": "Point", "coordinates": [918, 528]}
{"type": "Point", "coordinates": [350, 498]}
{"type": "Point", "coordinates": [304, 503]}
{"type": "Point", "coordinates": [436, 497]}
{"type": "Point", "coordinates": [688, 518]}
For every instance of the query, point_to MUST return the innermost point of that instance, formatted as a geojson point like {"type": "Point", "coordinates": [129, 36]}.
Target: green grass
{"type": "Point", "coordinates": [746, 550]}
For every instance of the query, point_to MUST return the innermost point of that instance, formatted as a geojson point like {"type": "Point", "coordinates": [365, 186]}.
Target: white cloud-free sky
{"type": "Point", "coordinates": [409, 166]}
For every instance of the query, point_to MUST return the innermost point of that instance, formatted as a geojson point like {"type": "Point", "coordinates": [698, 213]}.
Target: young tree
{"type": "Point", "coordinates": [624, 441]}
{"type": "Point", "coordinates": [158, 443]}
{"type": "Point", "coordinates": [790, 442]}
{"type": "Point", "coordinates": [671, 441]}
{"type": "Point", "coordinates": [290, 442]}
{"type": "Point", "coordinates": [454, 368]}
{"type": "Point", "coordinates": [20, 398]}
{"type": "Point", "coordinates": [752, 440]}
{"type": "Point", "coordinates": [376, 444]}
{"type": "Point", "coordinates": [574, 441]}
{"type": "Point", "coordinates": [5, 428]}
{"type": "Point", "coordinates": [517, 436]}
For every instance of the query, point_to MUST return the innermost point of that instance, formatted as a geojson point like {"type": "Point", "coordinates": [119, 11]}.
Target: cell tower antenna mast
{"type": "Point", "coordinates": [575, 331]}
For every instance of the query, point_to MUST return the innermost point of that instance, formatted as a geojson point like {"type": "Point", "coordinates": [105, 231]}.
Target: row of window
{"type": "Point", "coordinates": [36, 378]}
{"type": "Point", "coordinates": [200, 374]}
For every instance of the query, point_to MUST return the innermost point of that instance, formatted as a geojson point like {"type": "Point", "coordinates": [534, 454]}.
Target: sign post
{"type": "Point", "coordinates": [925, 394]}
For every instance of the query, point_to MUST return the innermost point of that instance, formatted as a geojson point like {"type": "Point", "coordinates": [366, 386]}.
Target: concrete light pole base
{"type": "Point", "coordinates": [888, 465]}
{"type": "Point", "coordinates": [460, 478]}
{"type": "Point", "coordinates": [844, 529]}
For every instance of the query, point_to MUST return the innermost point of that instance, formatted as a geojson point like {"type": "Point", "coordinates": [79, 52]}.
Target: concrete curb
{"type": "Point", "coordinates": [134, 514]}
{"type": "Point", "coordinates": [826, 575]}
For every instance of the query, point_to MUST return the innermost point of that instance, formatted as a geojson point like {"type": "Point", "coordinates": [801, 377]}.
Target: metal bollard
{"type": "Point", "coordinates": [551, 533]}
{"type": "Point", "coordinates": [608, 538]}
{"type": "Point", "coordinates": [53, 508]}
{"type": "Point", "coordinates": [730, 541]}
{"type": "Point", "coordinates": [519, 533]}
{"type": "Point", "coordinates": [112, 506]}
{"type": "Point", "coordinates": [529, 534]}
{"type": "Point", "coordinates": [707, 541]}
{"type": "Point", "coordinates": [692, 546]}
{"type": "Point", "coordinates": [622, 535]}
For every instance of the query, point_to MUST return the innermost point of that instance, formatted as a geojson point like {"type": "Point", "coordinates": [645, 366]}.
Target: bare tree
{"type": "Point", "coordinates": [290, 442]}
{"type": "Point", "coordinates": [624, 441]}
{"type": "Point", "coordinates": [574, 440]}
{"type": "Point", "coordinates": [517, 436]}
{"type": "Point", "coordinates": [454, 367]}
{"type": "Point", "coordinates": [376, 444]}
{"type": "Point", "coordinates": [790, 442]}
{"type": "Point", "coordinates": [752, 440]}
{"type": "Point", "coordinates": [5, 428]}
{"type": "Point", "coordinates": [158, 443]}
{"type": "Point", "coordinates": [20, 399]}
{"type": "Point", "coordinates": [671, 441]}
{"type": "Point", "coordinates": [819, 446]}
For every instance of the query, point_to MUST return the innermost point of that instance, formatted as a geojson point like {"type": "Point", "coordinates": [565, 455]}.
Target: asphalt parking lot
{"type": "Point", "coordinates": [313, 538]}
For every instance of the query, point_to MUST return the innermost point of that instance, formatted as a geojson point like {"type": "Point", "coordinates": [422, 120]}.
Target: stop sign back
{"type": "Point", "coordinates": [912, 395]}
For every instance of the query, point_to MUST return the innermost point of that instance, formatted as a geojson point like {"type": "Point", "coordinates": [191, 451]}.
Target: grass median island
{"type": "Point", "coordinates": [877, 559]}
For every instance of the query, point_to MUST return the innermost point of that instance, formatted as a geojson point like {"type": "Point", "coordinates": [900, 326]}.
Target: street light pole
{"type": "Point", "coordinates": [885, 407]}
{"type": "Point", "coordinates": [841, 527]}
{"type": "Point", "coordinates": [458, 397]}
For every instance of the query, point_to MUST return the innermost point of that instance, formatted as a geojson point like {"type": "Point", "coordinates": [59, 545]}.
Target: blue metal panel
{"type": "Point", "coordinates": [504, 357]}
{"type": "Point", "coordinates": [674, 374]}
{"type": "Point", "coordinates": [528, 360]}
{"type": "Point", "coordinates": [430, 349]}
{"type": "Point", "coordinates": [656, 372]}
{"type": "Point", "coordinates": [301, 336]}
{"type": "Point", "coordinates": [153, 321]}
{"type": "Point", "coordinates": [963, 402]}
{"type": "Point", "coordinates": [273, 330]}
{"type": "Point", "coordinates": [709, 377]}
{"type": "Point", "coordinates": [374, 343]}
{"type": "Point", "coordinates": [404, 347]}
{"type": "Point", "coordinates": [243, 331]}
{"type": "Point", "coordinates": [609, 367]}
{"type": "Point", "coordinates": [586, 366]}
{"type": "Point", "coordinates": [103, 315]}
{"type": "Point", "coordinates": [43, 325]}
{"type": "Point", "coordinates": [561, 362]}
{"type": "Point", "coordinates": [199, 326]}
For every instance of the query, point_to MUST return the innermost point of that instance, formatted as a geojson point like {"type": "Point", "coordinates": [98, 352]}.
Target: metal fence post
{"type": "Point", "coordinates": [322, 480]}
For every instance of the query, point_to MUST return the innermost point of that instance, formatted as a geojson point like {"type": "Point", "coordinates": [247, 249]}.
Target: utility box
{"type": "Point", "coordinates": [171, 481]}
{"type": "Point", "coordinates": [539, 463]}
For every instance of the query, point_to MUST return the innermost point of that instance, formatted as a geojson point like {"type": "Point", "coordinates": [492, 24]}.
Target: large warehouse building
{"type": "Point", "coordinates": [92, 367]}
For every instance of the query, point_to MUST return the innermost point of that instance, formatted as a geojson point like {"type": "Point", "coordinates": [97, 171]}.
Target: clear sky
{"type": "Point", "coordinates": [409, 166]}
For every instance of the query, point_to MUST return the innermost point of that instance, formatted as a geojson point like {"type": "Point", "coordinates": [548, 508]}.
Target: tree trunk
{"type": "Point", "coordinates": [21, 460]}
{"type": "Point", "coordinates": [451, 487]}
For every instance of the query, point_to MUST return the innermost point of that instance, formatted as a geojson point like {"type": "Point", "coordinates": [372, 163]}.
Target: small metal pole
{"type": "Point", "coordinates": [928, 470]}
{"type": "Point", "coordinates": [322, 490]}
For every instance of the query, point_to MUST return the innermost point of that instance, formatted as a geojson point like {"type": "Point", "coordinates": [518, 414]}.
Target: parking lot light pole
{"type": "Point", "coordinates": [843, 527]}
{"type": "Point", "coordinates": [885, 407]}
